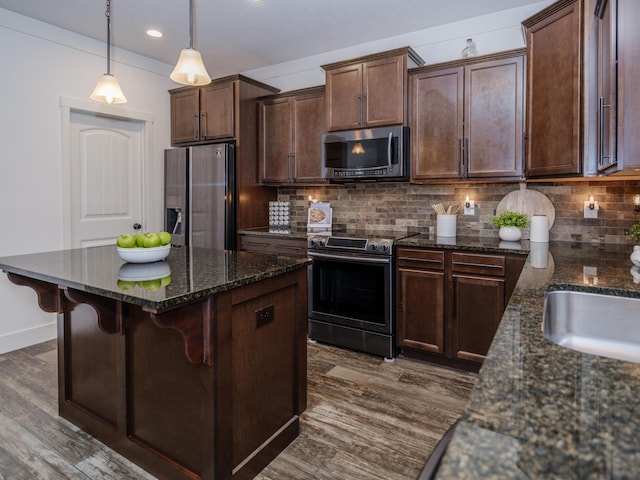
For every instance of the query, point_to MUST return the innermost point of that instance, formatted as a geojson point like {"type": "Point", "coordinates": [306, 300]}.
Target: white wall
{"type": "Point", "coordinates": [492, 33]}
{"type": "Point", "coordinates": [38, 65]}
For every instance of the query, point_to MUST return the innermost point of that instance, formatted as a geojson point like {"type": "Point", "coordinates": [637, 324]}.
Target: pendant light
{"type": "Point", "coordinates": [108, 89]}
{"type": "Point", "coordinates": [190, 69]}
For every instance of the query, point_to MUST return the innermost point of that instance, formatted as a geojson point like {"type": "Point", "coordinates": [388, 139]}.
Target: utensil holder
{"type": "Point", "coordinates": [446, 225]}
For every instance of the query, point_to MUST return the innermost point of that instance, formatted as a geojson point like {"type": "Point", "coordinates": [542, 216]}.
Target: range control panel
{"type": "Point", "coordinates": [347, 244]}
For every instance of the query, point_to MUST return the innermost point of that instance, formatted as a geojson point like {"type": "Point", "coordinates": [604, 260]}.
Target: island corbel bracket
{"type": "Point", "coordinates": [48, 294]}
{"type": "Point", "coordinates": [194, 323]}
{"type": "Point", "coordinates": [109, 312]}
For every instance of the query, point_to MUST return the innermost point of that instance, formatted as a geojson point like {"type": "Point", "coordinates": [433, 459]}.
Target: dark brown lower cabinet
{"type": "Point", "coordinates": [450, 302]}
{"type": "Point", "coordinates": [421, 284]}
{"type": "Point", "coordinates": [288, 247]}
{"type": "Point", "coordinates": [478, 307]}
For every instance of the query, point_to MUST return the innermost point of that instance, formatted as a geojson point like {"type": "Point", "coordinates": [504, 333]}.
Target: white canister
{"type": "Point", "coordinates": [539, 231]}
{"type": "Point", "coordinates": [446, 225]}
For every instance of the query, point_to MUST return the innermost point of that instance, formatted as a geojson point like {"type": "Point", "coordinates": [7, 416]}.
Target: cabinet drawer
{"type": "Point", "coordinates": [418, 258]}
{"type": "Point", "coordinates": [480, 264]}
{"type": "Point", "coordinates": [292, 247]}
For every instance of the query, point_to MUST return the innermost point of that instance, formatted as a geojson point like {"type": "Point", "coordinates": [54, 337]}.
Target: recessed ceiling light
{"type": "Point", "coordinates": [154, 33]}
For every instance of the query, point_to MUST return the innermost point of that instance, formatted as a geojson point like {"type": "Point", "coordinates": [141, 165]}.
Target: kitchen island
{"type": "Point", "coordinates": [199, 375]}
{"type": "Point", "coordinates": [539, 410]}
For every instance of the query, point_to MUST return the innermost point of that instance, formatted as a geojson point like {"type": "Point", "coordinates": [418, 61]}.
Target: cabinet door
{"type": "Point", "coordinates": [554, 91]}
{"type": "Point", "coordinates": [628, 92]}
{"type": "Point", "coordinates": [478, 308]}
{"type": "Point", "coordinates": [275, 140]}
{"type": "Point", "coordinates": [494, 97]}
{"type": "Point", "coordinates": [344, 98]}
{"type": "Point", "coordinates": [383, 92]}
{"type": "Point", "coordinates": [217, 111]}
{"type": "Point", "coordinates": [607, 78]}
{"type": "Point", "coordinates": [421, 310]}
{"type": "Point", "coordinates": [308, 127]}
{"type": "Point", "coordinates": [436, 100]}
{"type": "Point", "coordinates": [185, 122]}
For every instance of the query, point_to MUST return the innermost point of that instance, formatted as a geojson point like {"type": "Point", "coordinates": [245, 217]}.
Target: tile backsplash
{"type": "Point", "coordinates": [406, 207]}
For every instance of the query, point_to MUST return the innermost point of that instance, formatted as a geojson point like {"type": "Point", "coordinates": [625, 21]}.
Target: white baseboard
{"type": "Point", "coordinates": [30, 336]}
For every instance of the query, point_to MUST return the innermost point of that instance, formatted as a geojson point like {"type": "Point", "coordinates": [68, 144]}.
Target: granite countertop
{"type": "Point", "coordinates": [541, 411]}
{"type": "Point", "coordinates": [194, 272]}
{"type": "Point", "coordinates": [478, 244]}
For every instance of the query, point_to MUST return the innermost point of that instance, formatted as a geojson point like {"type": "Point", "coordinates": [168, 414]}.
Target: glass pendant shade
{"type": "Point", "coordinates": [190, 69]}
{"type": "Point", "coordinates": [108, 90]}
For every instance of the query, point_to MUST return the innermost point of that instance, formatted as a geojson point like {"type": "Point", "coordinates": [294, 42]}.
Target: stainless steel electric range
{"type": "Point", "coordinates": [351, 291]}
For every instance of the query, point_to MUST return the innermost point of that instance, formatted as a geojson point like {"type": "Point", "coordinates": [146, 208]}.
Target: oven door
{"type": "Point", "coordinates": [351, 290]}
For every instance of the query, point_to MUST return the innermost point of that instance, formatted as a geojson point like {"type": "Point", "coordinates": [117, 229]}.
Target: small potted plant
{"type": "Point", "coordinates": [511, 225]}
{"type": "Point", "coordinates": [634, 234]}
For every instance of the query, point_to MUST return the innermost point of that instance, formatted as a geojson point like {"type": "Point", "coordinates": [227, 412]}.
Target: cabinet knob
{"type": "Point", "coordinates": [137, 226]}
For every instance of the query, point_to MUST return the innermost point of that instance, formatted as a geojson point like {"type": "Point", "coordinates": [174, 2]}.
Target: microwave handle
{"type": "Point", "coordinates": [389, 149]}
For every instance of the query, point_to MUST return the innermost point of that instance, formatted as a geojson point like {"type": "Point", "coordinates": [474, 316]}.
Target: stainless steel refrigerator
{"type": "Point", "coordinates": [200, 195]}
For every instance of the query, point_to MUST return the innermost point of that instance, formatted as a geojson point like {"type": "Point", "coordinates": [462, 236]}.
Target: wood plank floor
{"type": "Point", "coordinates": [366, 419]}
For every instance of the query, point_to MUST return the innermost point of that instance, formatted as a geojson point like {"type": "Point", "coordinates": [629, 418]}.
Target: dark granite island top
{"type": "Point", "coordinates": [195, 272]}
{"type": "Point", "coordinates": [541, 411]}
{"type": "Point", "coordinates": [203, 377]}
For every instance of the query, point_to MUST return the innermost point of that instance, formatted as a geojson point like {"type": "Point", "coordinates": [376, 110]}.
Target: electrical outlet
{"type": "Point", "coordinates": [589, 275]}
{"type": "Point", "coordinates": [590, 212]}
{"type": "Point", "coordinates": [264, 316]}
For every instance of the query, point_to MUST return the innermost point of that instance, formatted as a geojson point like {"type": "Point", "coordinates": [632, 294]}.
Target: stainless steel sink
{"type": "Point", "coordinates": [593, 323]}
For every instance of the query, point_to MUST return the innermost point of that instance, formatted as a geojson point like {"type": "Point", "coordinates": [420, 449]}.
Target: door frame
{"type": "Point", "coordinates": [69, 105]}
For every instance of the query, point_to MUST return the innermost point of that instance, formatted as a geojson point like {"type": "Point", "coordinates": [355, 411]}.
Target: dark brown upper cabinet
{"type": "Point", "coordinates": [618, 63]}
{"type": "Point", "coordinates": [208, 114]}
{"type": "Point", "coordinates": [291, 128]}
{"type": "Point", "coordinates": [554, 127]}
{"type": "Point", "coordinates": [369, 91]}
{"type": "Point", "coordinates": [467, 118]}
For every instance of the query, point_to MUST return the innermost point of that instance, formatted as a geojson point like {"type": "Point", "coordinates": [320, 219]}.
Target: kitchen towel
{"type": "Point", "coordinates": [539, 231]}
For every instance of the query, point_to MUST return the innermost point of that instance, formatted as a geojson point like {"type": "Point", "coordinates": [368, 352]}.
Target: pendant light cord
{"type": "Point", "coordinates": [191, 24]}
{"type": "Point", "coordinates": [108, 15]}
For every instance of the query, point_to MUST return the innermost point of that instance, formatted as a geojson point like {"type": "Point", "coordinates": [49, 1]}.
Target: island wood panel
{"type": "Point", "coordinates": [164, 394]}
{"type": "Point", "coordinates": [201, 390]}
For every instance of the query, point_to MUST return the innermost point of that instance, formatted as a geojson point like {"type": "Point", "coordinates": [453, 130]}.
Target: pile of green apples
{"type": "Point", "coordinates": [143, 240]}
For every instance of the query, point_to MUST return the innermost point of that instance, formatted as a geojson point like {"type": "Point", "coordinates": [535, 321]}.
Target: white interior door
{"type": "Point", "coordinates": [105, 160]}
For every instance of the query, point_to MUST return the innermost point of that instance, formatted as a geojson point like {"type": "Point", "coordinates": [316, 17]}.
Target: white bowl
{"type": "Point", "coordinates": [144, 255]}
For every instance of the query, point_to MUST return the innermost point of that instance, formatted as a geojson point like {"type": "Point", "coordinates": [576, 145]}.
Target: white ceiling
{"type": "Point", "coordinates": [242, 35]}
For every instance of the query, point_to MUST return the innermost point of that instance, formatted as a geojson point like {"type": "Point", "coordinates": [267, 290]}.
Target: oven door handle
{"type": "Point", "coordinates": [328, 256]}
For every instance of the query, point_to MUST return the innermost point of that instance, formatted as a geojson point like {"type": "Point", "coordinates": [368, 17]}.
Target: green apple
{"type": "Point", "coordinates": [164, 281]}
{"type": "Point", "coordinates": [140, 239]}
{"type": "Point", "coordinates": [151, 240]}
{"type": "Point", "coordinates": [126, 240]}
{"type": "Point", "coordinates": [165, 238]}
{"type": "Point", "coordinates": [126, 284]}
{"type": "Point", "coordinates": [151, 285]}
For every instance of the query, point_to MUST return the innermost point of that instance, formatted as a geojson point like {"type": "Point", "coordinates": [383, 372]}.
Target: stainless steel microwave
{"type": "Point", "coordinates": [368, 154]}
